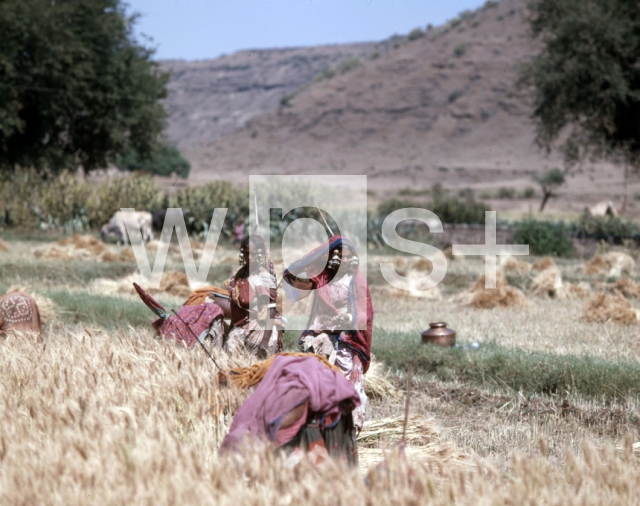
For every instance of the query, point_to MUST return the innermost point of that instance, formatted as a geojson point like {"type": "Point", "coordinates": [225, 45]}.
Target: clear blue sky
{"type": "Point", "coordinates": [201, 29]}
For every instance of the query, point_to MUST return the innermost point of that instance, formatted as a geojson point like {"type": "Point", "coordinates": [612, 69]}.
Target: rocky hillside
{"type": "Point", "coordinates": [214, 97]}
{"type": "Point", "coordinates": [442, 107]}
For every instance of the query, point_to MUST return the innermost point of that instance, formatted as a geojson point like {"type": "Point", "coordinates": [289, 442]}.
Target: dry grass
{"type": "Point", "coordinates": [83, 248]}
{"type": "Point", "coordinates": [4, 246]}
{"type": "Point", "coordinates": [605, 308]}
{"type": "Point", "coordinates": [377, 383]}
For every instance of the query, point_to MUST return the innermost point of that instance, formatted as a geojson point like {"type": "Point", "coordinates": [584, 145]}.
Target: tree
{"type": "Point", "coordinates": [585, 83]}
{"type": "Point", "coordinates": [164, 161]}
{"type": "Point", "coordinates": [75, 87]}
{"type": "Point", "coordinates": [549, 182]}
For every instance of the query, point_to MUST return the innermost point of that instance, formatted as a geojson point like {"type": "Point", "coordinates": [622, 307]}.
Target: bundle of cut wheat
{"type": "Point", "coordinates": [3, 246]}
{"type": "Point", "coordinates": [612, 264]}
{"type": "Point", "coordinates": [543, 264]}
{"type": "Point", "coordinates": [605, 308]}
{"type": "Point", "coordinates": [377, 383]}
{"type": "Point", "coordinates": [627, 287]}
{"type": "Point", "coordinates": [515, 266]}
{"type": "Point", "coordinates": [548, 282]}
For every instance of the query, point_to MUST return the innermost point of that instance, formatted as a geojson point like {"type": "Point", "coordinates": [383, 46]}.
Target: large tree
{"type": "Point", "coordinates": [585, 82]}
{"type": "Point", "coordinates": [75, 86]}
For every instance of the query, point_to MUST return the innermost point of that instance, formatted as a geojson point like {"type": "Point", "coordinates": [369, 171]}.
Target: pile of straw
{"type": "Point", "coordinates": [605, 308]}
{"type": "Point", "coordinates": [83, 248]}
{"type": "Point", "coordinates": [548, 282]}
{"type": "Point", "coordinates": [3, 246]}
{"type": "Point", "coordinates": [627, 287]}
{"type": "Point", "coordinates": [422, 438]}
{"type": "Point", "coordinates": [613, 264]}
{"type": "Point", "coordinates": [515, 266]}
{"type": "Point", "coordinates": [543, 264]}
{"type": "Point", "coordinates": [502, 296]}
{"type": "Point", "coordinates": [377, 384]}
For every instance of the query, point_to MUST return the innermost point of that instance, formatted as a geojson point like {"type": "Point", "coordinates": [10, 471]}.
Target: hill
{"type": "Point", "coordinates": [441, 107]}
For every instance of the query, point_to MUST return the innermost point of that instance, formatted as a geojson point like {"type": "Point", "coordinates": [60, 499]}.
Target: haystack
{"type": "Point", "coordinates": [3, 246]}
{"type": "Point", "coordinates": [506, 296]}
{"type": "Point", "coordinates": [613, 264]}
{"type": "Point", "coordinates": [175, 283]}
{"type": "Point", "coordinates": [543, 264]}
{"type": "Point", "coordinates": [46, 307]}
{"type": "Point", "coordinates": [76, 248]}
{"type": "Point", "coordinates": [422, 265]}
{"type": "Point", "coordinates": [547, 283]}
{"type": "Point", "coordinates": [627, 287]}
{"type": "Point", "coordinates": [513, 265]}
{"type": "Point", "coordinates": [605, 308]}
{"type": "Point", "coordinates": [482, 298]}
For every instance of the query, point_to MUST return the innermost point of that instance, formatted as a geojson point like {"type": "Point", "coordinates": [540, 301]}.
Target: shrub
{"type": "Point", "coordinates": [544, 238]}
{"type": "Point", "coordinates": [201, 201]}
{"type": "Point", "coordinates": [164, 161]}
{"type": "Point", "coordinates": [19, 198]}
{"type": "Point", "coordinates": [612, 228]}
{"type": "Point", "coordinates": [455, 210]}
{"type": "Point", "coordinates": [63, 203]}
{"type": "Point", "coordinates": [349, 64]}
{"type": "Point", "coordinates": [506, 193]}
{"type": "Point", "coordinates": [528, 193]}
{"type": "Point", "coordinates": [460, 50]}
{"type": "Point", "coordinates": [415, 34]}
{"type": "Point", "coordinates": [456, 94]}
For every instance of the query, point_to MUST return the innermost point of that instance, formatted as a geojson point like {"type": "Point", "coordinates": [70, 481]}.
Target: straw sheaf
{"type": "Point", "coordinates": [377, 383]}
{"type": "Point", "coordinates": [502, 296]}
{"type": "Point", "coordinates": [613, 264]}
{"type": "Point", "coordinates": [513, 265]}
{"type": "Point", "coordinates": [605, 308]}
{"type": "Point", "coordinates": [4, 246]}
{"type": "Point", "coordinates": [627, 287]}
{"type": "Point", "coordinates": [543, 264]}
{"type": "Point", "coordinates": [83, 248]}
{"type": "Point", "coordinates": [547, 283]}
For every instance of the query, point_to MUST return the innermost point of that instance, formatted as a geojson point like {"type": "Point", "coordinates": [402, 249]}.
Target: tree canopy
{"type": "Point", "coordinates": [164, 161]}
{"type": "Point", "coordinates": [75, 86]}
{"type": "Point", "coordinates": [585, 82]}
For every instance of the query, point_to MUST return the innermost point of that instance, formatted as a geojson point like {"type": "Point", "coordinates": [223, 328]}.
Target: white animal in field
{"type": "Point", "coordinates": [116, 227]}
{"type": "Point", "coordinates": [603, 209]}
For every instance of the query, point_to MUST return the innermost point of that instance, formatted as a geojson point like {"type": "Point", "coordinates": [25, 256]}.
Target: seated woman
{"type": "Point", "coordinates": [255, 323]}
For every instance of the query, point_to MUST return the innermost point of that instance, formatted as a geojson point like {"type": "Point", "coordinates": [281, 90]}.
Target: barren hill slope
{"type": "Point", "coordinates": [440, 108]}
{"type": "Point", "coordinates": [212, 97]}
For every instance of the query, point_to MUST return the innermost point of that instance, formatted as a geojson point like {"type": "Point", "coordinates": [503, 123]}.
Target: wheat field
{"type": "Point", "coordinates": [102, 413]}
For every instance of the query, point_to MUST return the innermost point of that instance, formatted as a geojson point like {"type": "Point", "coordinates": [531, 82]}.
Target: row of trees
{"type": "Point", "coordinates": [76, 88]}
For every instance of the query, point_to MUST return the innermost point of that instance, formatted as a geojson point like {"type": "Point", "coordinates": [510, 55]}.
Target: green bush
{"type": "Point", "coordinates": [415, 34]}
{"type": "Point", "coordinates": [448, 208]}
{"type": "Point", "coordinates": [164, 161]}
{"type": "Point", "coordinates": [506, 193]}
{"type": "Point", "coordinates": [544, 238]}
{"type": "Point", "coordinates": [606, 227]}
{"type": "Point", "coordinates": [201, 201]}
{"type": "Point", "coordinates": [528, 193]}
{"type": "Point", "coordinates": [19, 198]}
{"type": "Point", "coordinates": [460, 50]}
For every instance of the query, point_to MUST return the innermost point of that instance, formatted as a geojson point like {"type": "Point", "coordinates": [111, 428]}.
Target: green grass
{"type": "Point", "coordinates": [65, 273]}
{"type": "Point", "coordinates": [102, 310]}
{"type": "Point", "coordinates": [531, 372]}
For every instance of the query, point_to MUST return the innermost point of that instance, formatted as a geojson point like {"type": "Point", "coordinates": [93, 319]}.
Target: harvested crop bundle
{"type": "Point", "coordinates": [543, 264]}
{"type": "Point", "coordinates": [613, 264]}
{"type": "Point", "coordinates": [504, 296]}
{"type": "Point", "coordinates": [547, 283]}
{"type": "Point", "coordinates": [627, 287]}
{"type": "Point", "coordinates": [605, 308]}
{"type": "Point", "coordinates": [3, 246]}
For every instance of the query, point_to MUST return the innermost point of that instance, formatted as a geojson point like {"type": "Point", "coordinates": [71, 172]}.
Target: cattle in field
{"type": "Point", "coordinates": [117, 229]}
{"type": "Point", "coordinates": [603, 209]}
{"type": "Point", "coordinates": [159, 216]}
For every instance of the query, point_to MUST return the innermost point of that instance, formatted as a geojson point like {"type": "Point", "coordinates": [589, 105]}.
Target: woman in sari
{"type": "Point", "coordinates": [256, 324]}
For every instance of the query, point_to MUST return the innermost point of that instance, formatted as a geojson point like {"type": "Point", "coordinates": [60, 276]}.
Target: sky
{"type": "Point", "coordinates": [202, 29]}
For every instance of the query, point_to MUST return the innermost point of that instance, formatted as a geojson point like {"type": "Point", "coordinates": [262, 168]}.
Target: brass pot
{"type": "Point", "coordinates": [439, 334]}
